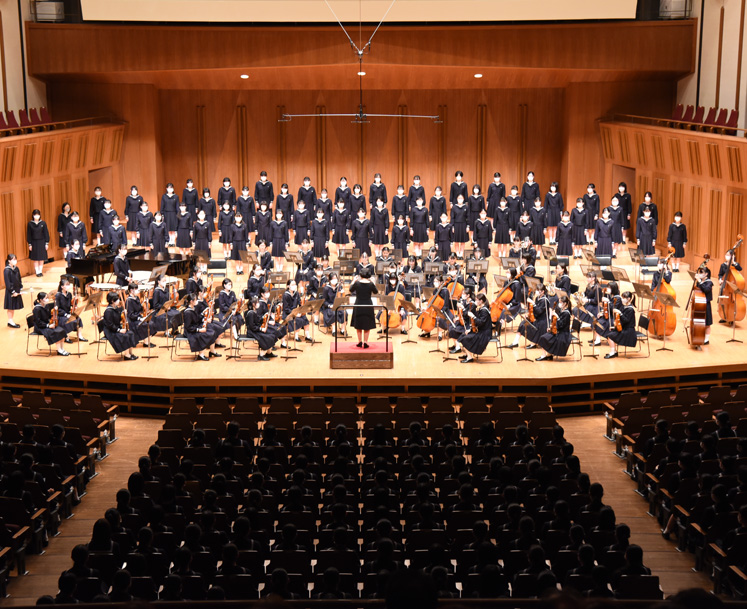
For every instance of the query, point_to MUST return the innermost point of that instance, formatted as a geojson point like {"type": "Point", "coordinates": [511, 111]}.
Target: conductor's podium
{"type": "Point", "coordinates": [346, 355]}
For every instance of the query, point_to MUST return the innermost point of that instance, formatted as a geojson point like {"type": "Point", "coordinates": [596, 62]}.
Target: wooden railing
{"type": "Point", "coordinates": [36, 128]}
{"type": "Point", "coordinates": [686, 125]}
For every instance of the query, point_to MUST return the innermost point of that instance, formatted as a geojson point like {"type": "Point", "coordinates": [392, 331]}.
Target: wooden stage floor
{"type": "Point", "coordinates": [577, 385]}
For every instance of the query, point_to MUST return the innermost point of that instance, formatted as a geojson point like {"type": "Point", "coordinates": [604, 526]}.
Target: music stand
{"type": "Point", "coordinates": [736, 290]}
{"type": "Point", "coordinates": [411, 310]}
{"type": "Point", "coordinates": [527, 324]}
{"type": "Point", "coordinates": [276, 293]}
{"type": "Point", "coordinates": [532, 282]}
{"type": "Point", "coordinates": [477, 266]}
{"type": "Point", "coordinates": [345, 253]}
{"type": "Point", "coordinates": [510, 263]}
{"type": "Point", "coordinates": [381, 266]}
{"type": "Point", "coordinates": [397, 255]}
{"type": "Point", "coordinates": [312, 307]}
{"type": "Point", "coordinates": [76, 315]}
{"type": "Point", "coordinates": [94, 300]}
{"type": "Point", "coordinates": [295, 257]}
{"type": "Point", "coordinates": [549, 254]}
{"type": "Point", "coordinates": [432, 268]}
{"type": "Point", "coordinates": [347, 267]}
{"type": "Point", "coordinates": [620, 274]}
{"type": "Point", "coordinates": [644, 292]}
{"type": "Point", "coordinates": [157, 273]}
{"type": "Point", "coordinates": [291, 316]}
{"type": "Point", "coordinates": [667, 301]}
{"type": "Point", "coordinates": [590, 257]}
{"type": "Point", "coordinates": [146, 320]}
{"type": "Point", "coordinates": [279, 277]}
{"type": "Point", "coordinates": [388, 303]}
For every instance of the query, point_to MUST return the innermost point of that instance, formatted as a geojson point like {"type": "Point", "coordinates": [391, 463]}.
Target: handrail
{"type": "Point", "coordinates": [671, 123]}
{"type": "Point", "coordinates": [39, 127]}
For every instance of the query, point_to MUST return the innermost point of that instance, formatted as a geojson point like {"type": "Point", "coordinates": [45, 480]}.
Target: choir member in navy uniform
{"type": "Point", "coordinates": [184, 229]}
{"type": "Point", "coordinates": [200, 337]}
{"type": "Point", "coordinates": [616, 215]}
{"type": "Point", "coordinates": [401, 235]}
{"type": "Point", "coordinates": [194, 284]}
{"type": "Point", "coordinates": [647, 202]}
{"type": "Point", "coordinates": [320, 235]}
{"type": "Point", "coordinates": [265, 339]}
{"type": "Point", "coordinates": [496, 192]}
{"type": "Point", "coordinates": [291, 301]}
{"type": "Point", "coordinates": [517, 299]}
{"type": "Point", "coordinates": [122, 267]}
{"type": "Point", "coordinates": [677, 238]}
{"type": "Point", "coordinates": [265, 258]}
{"type": "Point", "coordinates": [42, 316]}
{"type": "Point", "coordinates": [280, 238]}
{"type": "Point", "coordinates": [590, 299]}
{"type": "Point", "coordinates": [475, 205]}
{"type": "Point", "coordinates": [579, 220]}
{"type": "Point", "coordinates": [627, 335]}
{"type": "Point", "coordinates": [227, 193]}
{"type": "Point", "coordinates": [246, 207]}
{"type": "Point", "coordinates": [105, 221]}
{"type": "Point", "coordinates": [535, 329]}
{"type": "Point", "coordinates": [458, 187]}
{"type": "Point", "coordinates": [190, 197]}
{"type": "Point", "coordinates": [538, 216]}
{"type": "Point", "coordinates": [564, 236]}
{"type": "Point", "coordinates": [554, 207]}
{"type": "Point", "coordinates": [416, 192]}
{"type": "Point", "coordinates": [557, 343]}
{"type": "Point", "coordinates": [515, 251]}
{"type": "Point", "coordinates": [162, 321]}
{"type": "Point", "coordinates": [704, 282]}
{"type": "Point", "coordinates": [329, 293]}
{"type": "Point", "coordinates": [342, 193]}
{"type": "Point", "coordinates": [119, 337]}
{"type": "Point", "coordinates": [363, 263]}
{"type": "Point", "coordinates": [525, 227]}
{"type": "Point", "coordinates": [158, 235]}
{"type": "Point", "coordinates": [264, 218]}
{"type": "Point", "coordinates": [284, 202]}
{"type": "Point", "coordinates": [530, 191]}
{"type": "Point", "coordinates": [132, 207]}
{"type": "Point", "coordinates": [380, 226]}
{"type": "Point", "coordinates": [226, 299]}
{"type": "Point", "coordinates": [307, 194]}
{"type": "Point", "coordinates": [433, 257]}
{"type": "Point", "coordinates": [117, 235]}
{"type": "Point", "coordinates": [603, 234]}
{"type": "Point", "coordinates": [74, 252]}
{"type": "Point", "coordinates": [419, 225]}
{"type": "Point", "coordinates": [475, 343]}
{"type": "Point", "coordinates": [255, 282]}
{"type": "Point", "coordinates": [306, 268]}
{"type": "Point", "coordinates": [646, 233]}
{"type": "Point", "coordinates": [239, 237]}
{"type": "Point", "coordinates": [627, 205]}
{"type": "Point", "coordinates": [483, 232]}
{"type": "Point", "coordinates": [460, 222]}
{"type": "Point", "coordinates": [400, 204]}
{"type": "Point", "coordinates": [63, 219]}
{"type": "Point", "coordinates": [201, 233]}
{"type": "Point", "coordinates": [325, 204]}
{"type": "Point", "coordinates": [477, 279]}
{"type": "Point", "coordinates": [591, 202]}
{"type": "Point", "coordinates": [134, 310]}
{"type": "Point", "coordinates": [263, 189]}
{"type": "Point", "coordinates": [94, 209]}
{"type": "Point", "coordinates": [377, 190]}
{"type": "Point", "coordinates": [169, 207]}
{"type": "Point", "coordinates": [661, 272]}
{"type": "Point", "coordinates": [514, 209]}
{"type": "Point", "coordinates": [357, 200]}
{"type": "Point", "coordinates": [37, 237]}
{"type": "Point", "coordinates": [436, 207]}
{"type": "Point", "coordinates": [502, 228]}
{"type": "Point", "coordinates": [207, 205]}
{"type": "Point", "coordinates": [13, 285]}
{"type": "Point", "coordinates": [225, 220]}
{"type": "Point", "coordinates": [142, 224]}
{"type": "Point", "coordinates": [340, 223]}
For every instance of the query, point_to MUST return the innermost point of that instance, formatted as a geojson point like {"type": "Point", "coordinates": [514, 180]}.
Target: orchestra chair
{"type": "Point", "coordinates": [242, 340]}
{"type": "Point", "coordinates": [641, 335]}
{"type": "Point", "coordinates": [102, 340]}
{"type": "Point", "coordinates": [31, 331]}
{"type": "Point", "coordinates": [575, 341]}
{"type": "Point", "coordinates": [178, 339]}
{"type": "Point", "coordinates": [496, 340]}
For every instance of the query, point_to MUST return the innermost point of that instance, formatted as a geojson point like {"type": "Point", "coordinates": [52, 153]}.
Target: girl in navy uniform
{"type": "Point", "coordinates": [74, 252]}
{"type": "Point", "coordinates": [105, 221]}
{"type": "Point", "coordinates": [291, 301]}
{"type": "Point", "coordinates": [361, 233]}
{"type": "Point", "coordinates": [616, 215]}
{"type": "Point", "coordinates": [94, 209]}
{"type": "Point", "coordinates": [13, 285]}
{"type": "Point", "coordinates": [496, 192]}
{"type": "Point", "coordinates": [419, 225]}
{"type": "Point", "coordinates": [476, 204]}
{"type": "Point", "coordinates": [541, 308]}
{"type": "Point", "coordinates": [246, 207]}
{"type": "Point", "coordinates": [190, 197]}
{"type": "Point", "coordinates": [605, 316]}
{"type": "Point", "coordinates": [648, 202]}
{"type": "Point", "coordinates": [329, 293]}
{"type": "Point", "coordinates": [340, 222]}
{"type": "Point", "coordinates": [184, 230]}
{"type": "Point", "coordinates": [263, 189]}
{"type": "Point", "coordinates": [416, 192]}
{"type": "Point", "coordinates": [703, 280]}
{"type": "Point", "coordinates": [162, 322]}
{"type": "Point", "coordinates": [201, 233]}
{"type": "Point", "coordinates": [307, 194]}
{"type": "Point", "coordinates": [554, 207]}
{"type": "Point", "coordinates": [159, 235]}
{"type": "Point", "coordinates": [603, 234]}
{"type": "Point", "coordinates": [401, 235]}
{"type": "Point", "coordinates": [225, 220]}
{"type": "Point", "coordinates": [436, 207]}
{"type": "Point", "coordinates": [483, 232]}
{"type": "Point", "coordinates": [475, 343]}
{"type": "Point", "coordinates": [562, 282]}
{"type": "Point", "coordinates": [380, 224]}
{"type": "Point", "coordinates": [460, 222]}
{"type": "Point", "coordinates": [132, 207]}
{"type": "Point", "coordinates": [280, 238]}
{"type": "Point", "coordinates": [265, 339]}
{"type": "Point", "coordinates": [117, 235]}
{"type": "Point", "coordinates": [591, 202]}
{"type": "Point", "coordinates": [63, 219]}
{"type": "Point", "coordinates": [284, 202]}
{"type": "Point", "coordinates": [305, 269]}
{"type": "Point", "coordinates": [377, 190]}
{"type": "Point", "coordinates": [265, 258]}
{"type": "Point", "coordinates": [557, 343]}
{"type": "Point", "coordinates": [400, 204]}
{"type": "Point", "coordinates": [142, 224]}
{"type": "Point", "coordinates": [514, 306]}
{"type": "Point", "coordinates": [525, 227]}
{"type": "Point", "coordinates": [169, 207]}
{"type": "Point", "coordinates": [226, 299]}
{"type": "Point", "coordinates": [227, 193]}
{"type": "Point", "coordinates": [564, 236]}
{"type": "Point", "coordinates": [538, 216]}
{"type": "Point", "coordinates": [579, 221]}
{"type": "Point", "coordinates": [42, 316]}
{"type": "Point", "coordinates": [357, 201]}
{"type": "Point", "coordinates": [194, 284]}
{"type": "Point", "coordinates": [120, 338]}
{"type": "Point", "coordinates": [514, 209]}
{"type": "Point", "coordinates": [320, 235]}
{"type": "Point", "coordinates": [590, 299]}
{"type": "Point", "coordinates": [530, 191]}
{"type": "Point", "coordinates": [325, 204]}
{"type": "Point", "coordinates": [255, 282]}
{"type": "Point", "coordinates": [200, 336]}
{"type": "Point", "coordinates": [627, 335]}
{"type": "Point", "coordinates": [300, 223]}
{"type": "Point", "coordinates": [677, 238]}
{"type": "Point", "coordinates": [134, 310]}
{"type": "Point", "coordinates": [627, 206]}
{"type": "Point", "coordinates": [502, 228]}
{"type": "Point", "coordinates": [207, 205]}
{"type": "Point", "coordinates": [37, 237]}
{"type": "Point", "coordinates": [646, 233]}
{"type": "Point", "coordinates": [458, 187]}
{"type": "Point", "coordinates": [239, 237]}
{"type": "Point", "coordinates": [264, 218]}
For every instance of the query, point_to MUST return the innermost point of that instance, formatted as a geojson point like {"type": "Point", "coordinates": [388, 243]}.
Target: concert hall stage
{"type": "Point", "coordinates": [573, 385]}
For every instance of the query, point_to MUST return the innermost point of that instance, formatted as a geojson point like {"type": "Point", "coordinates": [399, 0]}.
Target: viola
{"type": "Point", "coordinates": [530, 311]}
{"type": "Point", "coordinates": [55, 319]}
{"type": "Point", "coordinates": [660, 313]}
{"type": "Point", "coordinates": [554, 324]}
{"type": "Point", "coordinates": [731, 304]}
{"type": "Point", "coordinates": [618, 322]}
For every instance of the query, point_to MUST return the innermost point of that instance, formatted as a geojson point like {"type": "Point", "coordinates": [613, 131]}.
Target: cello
{"type": "Point", "coordinates": [504, 297]}
{"type": "Point", "coordinates": [698, 306]}
{"type": "Point", "coordinates": [663, 319]}
{"type": "Point", "coordinates": [394, 319]}
{"type": "Point", "coordinates": [731, 304]}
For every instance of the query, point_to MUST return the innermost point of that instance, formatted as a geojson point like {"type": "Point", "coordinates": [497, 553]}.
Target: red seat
{"type": "Point", "coordinates": [24, 118]}
{"type": "Point", "coordinates": [10, 119]}
{"type": "Point", "coordinates": [45, 115]}
{"type": "Point", "coordinates": [711, 117]}
{"type": "Point", "coordinates": [721, 120]}
{"type": "Point", "coordinates": [34, 116]}
{"type": "Point", "coordinates": [3, 124]}
{"type": "Point", "coordinates": [689, 113]}
{"type": "Point", "coordinates": [732, 122]}
{"type": "Point", "coordinates": [698, 118]}
{"type": "Point", "coordinates": [679, 111]}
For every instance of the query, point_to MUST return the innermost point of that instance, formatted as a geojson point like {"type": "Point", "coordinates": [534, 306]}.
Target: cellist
{"type": "Point", "coordinates": [514, 306]}
{"type": "Point", "coordinates": [705, 284]}
{"type": "Point", "coordinates": [465, 306]}
{"type": "Point", "coordinates": [729, 262]}
{"type": "Point", "coordinates": [662, 272]}
{"type": "Point", "coordinates": [395, 284]}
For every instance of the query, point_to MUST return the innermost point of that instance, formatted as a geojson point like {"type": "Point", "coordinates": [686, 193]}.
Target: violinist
{"type": "Point", "coordinates": [562, 282]}
{"type": "Point", "coordinates": [329, 293]}
{"type": "Point", "coordinates": [315, 285]}
{"type": "Point", "coordinates": [514, 306]}
{"type": "Point", "coordinates": [465, 306]}
{"type": "Point", "coordinates": [477, 337]}
{"type": "Point", "coordinates": [364, 264]}
{"type": "Point", "coordinates": [704, 282]}
{"type": "Point", "coordinates": [120, 338]}
{"type": "Point", "coordinates": [305, 269]}
{"type": "Point", "coordinates": [291, 301]}
{"type": "Point", "coordinates": [201, 337]}
{"type": "Point", "coordinates": [527, 249]}
{"type": "Point", "coordinates": [194, 283]}
{"type": "Point", "coordinates": [43, 323]}
{"type": "Point", "coordinates": [590, 299]}
{"type": "Point", "coordinates": [661, 273]}
{"type": "Point", "coordinates": [606, 320]}
{"type": "Point", "coordinates": [412, 265]}
{"type": "Point", "coordinates": [265, 339]}
{"type": "Point", "coordinates": [63, 300]}
{"type": "Point", "coordinates": [161, 322]}
{"type": "Point", "coordinates": [122, 267]}
{"type": "Point", "coordinates": [431, 257]}
{"type": "Point", "coordinates": [264, 257]}
{"type": "Point", "coordinates": [515, 251]}
{"type": "Point", "coordinates": [538, 316]}
{"type": "Point", "coordinates": [477, 279]}
{"type": "Point", "coordinates": [226, 299]}
{"type": "Point", "coordinates": [267, 310]}
{"type": "Point", "coordinates": [626, 335]}
{"type": "Point", "coordinates": [134, 310]}
{"type": "Point", "coordinates": [557, 342]}
{"type": "Point", "coordinates": [205, 307]}
{"type": "Point", "coordinates": [527, 267]}
{"type": "Point", "coordinates": [255, 282]}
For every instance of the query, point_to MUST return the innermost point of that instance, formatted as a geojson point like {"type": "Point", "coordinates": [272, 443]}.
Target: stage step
{"type": "Point", "coordinates": [348, 356]}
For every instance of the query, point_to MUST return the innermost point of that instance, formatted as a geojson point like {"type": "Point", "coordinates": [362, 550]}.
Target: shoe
{"type": "Point", "coordinates": [454, 350]}
{"type": "Point", "coordinates": [69, 341]}
{"type": "Point", "coordinates": [62, 352]}
{"type": "Point", "coordinates": [359, 345]}
{"type": "Point", "coordinates": [151, 345]}
{"type": "Point", "coordinates": [130, 358]}
{"type": "Point", "coordinates": [512, 346]}
{"type": "Point", "coordinates": [212, 354]}
{"type": "Point", "coordinates": [284, 344]}
{"type": "Point", "coordinates": [269, 355]}
{"type": "Point", "coordinates": [13, 325]}
{"type": "Point", "coordinates": [665, 534]}
{"type": "Point", "coordinates": [466, 360]}
{"type": "Point", "coordinates": [308, 339]}
{"type": "Point", "coordinates": [403, 331]}
{"type": "Point", "coordinates": [202, 358]}
{"type": "Point", "coordinates": [167, 335]}
{"type": "Point", "coordinates": [424, 335]}
{"type": "Point", "coordinates": [440, 336]}
{"type": "Point", "coordinates": [722, 321]}
{"type": "Point", "coordinates": [263, 358]}
{"type": "Point", "coordinates": [39, 275]}
{"type": "Point", "coordinates": [707, 342]}
{"type": "Point", "coordinates": [381, 331]}
{"type": "Point", "coordinates": [365, 345]}
{"type": "Point", "coordinates": [82, 340]}
{"type": "Point", "coordinates": [544, 358]}
{"type": "Point", "coordinates": [610, 355]}
{"type": "Point", "coordinates": [217, 346]}
{"type": "Point", "coordinates": [530, 346]}
{"type": "Point", "coordinates": [594, 344]}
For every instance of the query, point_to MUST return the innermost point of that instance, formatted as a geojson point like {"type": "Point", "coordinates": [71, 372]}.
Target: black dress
{"type": "Point", "coordinates": [524, 230]}
{"type": "Point", "coordinates": [245, 207]}
{"type": "Point", "coordinates": [616, 214]}
{"type": "Point", "coordinates": [76, 232]}
{"type": "Point", "coordinates": [538, 217]}
{"type": "Point", "coordinates": [415, 193]}
{"type": "Point", "coordinates": [483, 234]}
{"type": "Point", "coordinates": [184, 230]}
{"type": "Point", "coordinates": [300, 224]}
{"type": "Point", "coordinates": [169, 209]}
{"type": "Point", "coordinates": [134, 314]}
{"type": "Point", "coordinates": [308, 196]}
{"type": "Point", "coordinates": [477, 342]}
{"type": "Point", "coordinates": [285, 204]}
{"type": "Point", "coordinates": [591, 203]}
{"type": "Point", "coordinates": [326, 206]}
{"type": "Point", "coordinates": [208, 206]}
{"type": "Point", "coordinates": [362, 235]}
{"type": "Point", "coordinates": [475, 203]}
{"type": "Point", "coordinates": [558, 344]}
{"type": "Point", "coordinates": [579, 221]}
{"type": "Point", "coordinates": [363, 317]}
{"type": "Point", "coordinates": [329, 294]}
{"type": "Point", "coordinates": [436, 207]}
{"type": "Point", "coordinates": [227, 194]}
{"type": "Point", "coordinates": [112, 322]}
{"type": "Point", "coordinates": [42, 317]}
{"type": "Point", "coordinates": [106, 219]}
{"type": "Point", "coordinates": [501, 221]}
{"type": "Point", "coordinates": [253, 322]}
{"type": "Point", "coordinates": [280, 238]}
{"type": "Point", "coordinates": [459, 219]}
{"type": "Point", "coordinates": [357, 202]}
{"type": "Point", "coordinates": [264, 191]}
{"type": "Point", "coordinates": [603, 237]}
{"type": "Point", "coordinates": [496, 192]}
{"type": "Point", "coordinates": [158, 238]}
{"type": "Point", "coordinates": [443, 237]}
{"type": "Point", "coordinates": [340, 222]}
{"type": "Point", "coordinates": [239, 236]}
{"type": "Point", "coordinates": [190, 197]}
{"type": "Point", "coordinates": [320, 237]}
{"type": "Point", "coordinates": [291, 301]}
{"type": "Point", "coordinates": [117, 236]}
{"type": "Point", "coordinates": [514, 210]}
{"type": "Point", "coordinates": [645, 233]}
{"type": "Point", "coordinates": [37, 236]}
{"type": "Point", "coordinates": [377, 191]}
{"type": "Point", "coordinates": [677, 238]}
{"type": "Point", "coordinates": [400, 238]}
{"type": "Point", "coordinates": [541, 316]}
{"type": "Point", "coordinates": [400, 207]}
{"type": "Point", "coordinates": [201, 232]}
{"type": "Point", "coordinates": [419, 224]}
{"type": "Point", "coordinates": [380, 221]}
{"type": "Point", "coordinates": [122, 270]}
{"type": "Point", "coordinates": [94, 209]}
{"type": "Point", "coordinates": [13, 285]}
{"type": "Point", "coordinates": [564, 239]}
{"type": "Point", "coordinates": [458, 188]}
{"type": "Point", "coordinates": [132, 207]}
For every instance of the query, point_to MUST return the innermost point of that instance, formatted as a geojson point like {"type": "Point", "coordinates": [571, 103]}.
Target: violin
{"type": "Point", "coordinates": [731, 304]}
{"type": "Point", "coordinates": [658, 314]}
{"type": "Point", "coordinates": [473, 325]}
{"type": "Point", "coordinates": [174, 296]}
{"type": "Point", "coordinates": [55, 319]}
{"type": "Point", "coordinates": [530, 311]}
{"type": "Point", "coordinates": [124, 321]}
{"type": "Point", "coordinates": [618, 322]}
{"type": "Point", "coordinates": [208, 316]}
{"type": "Point", "coordinates": [554, 323]}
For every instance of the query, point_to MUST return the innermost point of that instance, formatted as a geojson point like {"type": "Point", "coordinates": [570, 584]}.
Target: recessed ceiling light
{"type": "Point", "coordinates": [361, 73]}
{"type": "Point", "coordinates": [245, 76]}
{"type": "Point", "coordinates": [478, 75]}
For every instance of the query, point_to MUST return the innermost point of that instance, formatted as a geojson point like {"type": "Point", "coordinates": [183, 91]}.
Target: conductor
{"type": "Point", "coordinates": [363, 319]}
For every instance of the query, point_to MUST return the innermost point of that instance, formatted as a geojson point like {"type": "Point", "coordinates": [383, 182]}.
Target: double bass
{"type": "Point", "coordinates": [731, 305]}
{"type": "Point", "coordinates": [663, 319]}
{"type": "Point", "coordinates": [698, 306]}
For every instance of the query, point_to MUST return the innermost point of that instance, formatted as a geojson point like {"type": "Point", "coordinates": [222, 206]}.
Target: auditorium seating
{"type": "Point", "coordinates": [313, 496]}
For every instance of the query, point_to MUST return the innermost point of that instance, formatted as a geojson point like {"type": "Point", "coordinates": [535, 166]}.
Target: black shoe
{"type": "Point", "coordinates": [263, 358]}
{"type": "Point", "coordinates": [217, 346]}
{"type": "Point", "coordinates": [530, 346]}
{"type": "Point", "coordinates": [211, 354]}
{"type": "Point", "coordinates": [308, 339]}
{"type": "Point", "coordinates": [722, 321]}
{"type": "Point", "coordinates": [665, 535]}
{"type": "Point", "coordinates": [359, 345]}
{"type": "Point", "coordinates": [151, 345]}
{"type": "Point", "coordinates": [270, 355]}
{"type": "Point", "coordinates": [544, 358]}
{"type": "Point", "coordinates": [202, 358]}
{"type": "Point", "coordinates": [82, 340]}
{"type": "Point", "coordinates": [130, 358]}
{"type": "Point", "coordinates": [365, 345]}
{"type": "Point", "coordinates": [610, 355]}
{"type": "Point", "coordinates": [403, 331]}
{"type": "Point", "coordinates": [69, 341]}
{"type": "Point", "coordinates": [62, 352]}
{"type": "Point", "coordinates": [13, 325]}
{"type": "Point", "coordinates": [707, 342]}
{"type": "Point", "coordinates": [466, 360]}
{"type": "Point", "coordinates": [381, 331]}
{"type": "Point", "coordinates": [454, 350]}
{"type": "Point", "coordinates": [511, 346]}
{"type": "Point", "coordinates": [593, 344]}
